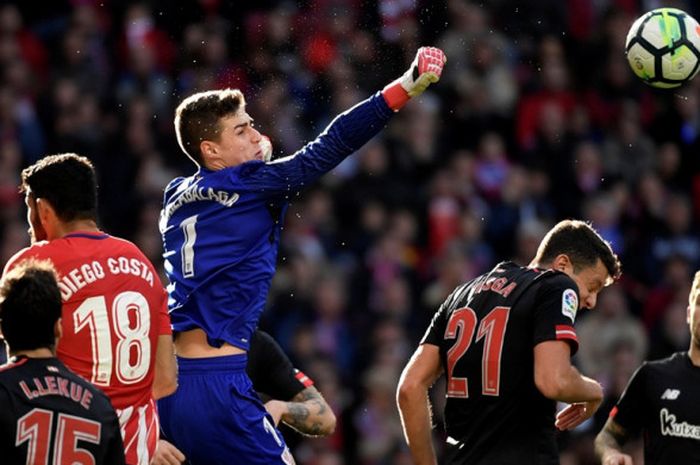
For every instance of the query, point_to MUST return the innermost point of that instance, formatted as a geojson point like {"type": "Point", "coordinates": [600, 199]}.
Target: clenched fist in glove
{"type": "Point", "coordinates": [425, 69]}
{"type": "Point", "coordinates": [265, 148]}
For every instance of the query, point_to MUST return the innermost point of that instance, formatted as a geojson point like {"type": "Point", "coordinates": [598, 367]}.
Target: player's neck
{"type": "Point", "coordinates": [42, 352]}
{"type": "Point", "coordinates": [75, 226]}
{"type": "Point", "coordinates": [694, 354]}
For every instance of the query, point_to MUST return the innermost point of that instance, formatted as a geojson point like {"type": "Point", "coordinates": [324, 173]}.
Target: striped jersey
{"type": "Point", "coordinates": [114, 310]}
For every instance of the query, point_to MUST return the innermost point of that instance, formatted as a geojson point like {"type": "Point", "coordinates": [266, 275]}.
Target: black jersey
{"type": "Point", "coordinates": [271, 371]}
{"type": "Point", "coordinates": [662, 401]}
{"type": "Point", "coordinates": [486, 331]}
{"type": "Point", "coordinates": [48, 414]}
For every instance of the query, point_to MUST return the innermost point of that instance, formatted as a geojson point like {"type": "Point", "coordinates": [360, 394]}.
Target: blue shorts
{"type": "Point", "coordinates": [215, 416]}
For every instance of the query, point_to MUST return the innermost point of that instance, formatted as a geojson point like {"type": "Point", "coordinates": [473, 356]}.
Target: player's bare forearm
{"type": "Point", "coordinates": [414, 405]}
{"type": "Point", "coordinates": [578, 388]}
{"type": "Point", "coordinates": [309, 414]}
{"type": "Point", "coordinates": [165, 379]}
{"type": "Point", "coordinates": [414, 408]}
{"type": "Point", "coordinates": [557, 379]}
{"type": "Point", "coordinates": [608, 444]}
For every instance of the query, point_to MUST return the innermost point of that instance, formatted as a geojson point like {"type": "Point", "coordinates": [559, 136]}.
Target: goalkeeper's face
{"type": "Point", "coordinates": [238, 142]}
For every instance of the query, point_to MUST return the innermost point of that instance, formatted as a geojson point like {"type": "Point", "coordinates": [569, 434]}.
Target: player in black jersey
{"type": "Point", "coordinates": [662, 402]}
{"type": "Point", "coordinates": [48, 414]}
{"type": "Point", "coordinates": [289, 395]}
{"type": "Point", "coordinates": [504, 341]}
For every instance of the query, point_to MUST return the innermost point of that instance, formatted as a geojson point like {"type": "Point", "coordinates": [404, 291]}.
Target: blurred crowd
{"type": "Point", "coordinates": [537, 118]}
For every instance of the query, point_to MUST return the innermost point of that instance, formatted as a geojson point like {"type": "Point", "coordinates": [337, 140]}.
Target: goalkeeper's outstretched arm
{"type": "Point", "coordinates": [348, 131]}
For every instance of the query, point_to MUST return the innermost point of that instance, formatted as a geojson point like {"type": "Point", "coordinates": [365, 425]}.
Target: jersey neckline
{"type": "Point", "coordinates": [88, 235]}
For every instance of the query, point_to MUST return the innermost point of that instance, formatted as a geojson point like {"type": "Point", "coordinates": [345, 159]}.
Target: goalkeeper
{"type": "Point", "coordinates": [221, 229]}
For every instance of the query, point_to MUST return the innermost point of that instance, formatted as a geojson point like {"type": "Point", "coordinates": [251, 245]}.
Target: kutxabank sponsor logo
{"type": "Point", "coordinates": [671, 427]}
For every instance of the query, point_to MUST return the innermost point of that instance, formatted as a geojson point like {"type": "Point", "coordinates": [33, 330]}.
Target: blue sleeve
{"type": "Point", "coordinates": [347, 133]}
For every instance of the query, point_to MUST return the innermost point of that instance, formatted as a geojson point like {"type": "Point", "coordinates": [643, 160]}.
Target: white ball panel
{"type": "Point", "coordinates": [641, 61]}
{"type": "Point", "coordinates": [692, 29]}
{"type": "Point", "coordinates": [678, 66]}
{"type": "Point", "coordinates": [652, 32]}
{"type": "Point", "coordinates": [633, 30]}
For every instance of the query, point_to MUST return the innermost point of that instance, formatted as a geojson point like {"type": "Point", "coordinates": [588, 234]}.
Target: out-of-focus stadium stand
{"type": "Point", "coordinates": [537, 118]}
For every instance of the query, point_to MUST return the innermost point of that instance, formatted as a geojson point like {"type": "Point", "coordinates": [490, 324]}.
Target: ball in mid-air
{"type": "Point", "coordinates": [663, 47]}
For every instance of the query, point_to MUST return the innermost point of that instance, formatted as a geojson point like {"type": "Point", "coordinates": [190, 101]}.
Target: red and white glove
{"type": "Point", "coordinates": [265, 148]}
{"type": "Point", "coordinates": [425, 69]}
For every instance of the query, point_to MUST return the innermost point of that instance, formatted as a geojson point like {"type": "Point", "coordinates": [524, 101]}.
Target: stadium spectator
{"type": "Point", "coordinates": [610, 326]}
{"type": "Point", "coordinates": [35, 386]}
{"type": "Point", "coordinates": [115, 322]}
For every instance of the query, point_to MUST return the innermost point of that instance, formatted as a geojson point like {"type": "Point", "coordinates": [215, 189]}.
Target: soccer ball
{"type": "Point", "coordinates": [663, 47]}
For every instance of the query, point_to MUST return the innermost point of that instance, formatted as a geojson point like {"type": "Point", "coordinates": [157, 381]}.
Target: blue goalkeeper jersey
{"type": "Point", "coordinates": [221, 228]}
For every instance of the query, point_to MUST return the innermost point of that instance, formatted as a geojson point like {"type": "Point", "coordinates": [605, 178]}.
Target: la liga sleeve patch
{"type": "Point", "coordinates": [569, 304]}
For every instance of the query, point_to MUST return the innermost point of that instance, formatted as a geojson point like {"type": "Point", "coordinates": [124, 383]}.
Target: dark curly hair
{"type": "Point", "coordinates": [30, 305]}
{"type": "Point", "coordinates": [67, 181]}
{"type": "Point", "coordinates": [581, 243]}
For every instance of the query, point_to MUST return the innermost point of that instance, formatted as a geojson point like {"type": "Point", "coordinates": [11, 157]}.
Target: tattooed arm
{"type": "Point", "coordinates": [307, 412]}
{"type": "Point", "coordinates": [609, 442]}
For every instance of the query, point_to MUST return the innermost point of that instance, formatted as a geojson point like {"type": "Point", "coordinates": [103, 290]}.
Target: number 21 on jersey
{"type": "Point", "coordinates": [492, 328]}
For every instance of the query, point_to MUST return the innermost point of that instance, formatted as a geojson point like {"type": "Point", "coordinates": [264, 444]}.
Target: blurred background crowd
{"type": "Point", "coordinates": [537, 118]}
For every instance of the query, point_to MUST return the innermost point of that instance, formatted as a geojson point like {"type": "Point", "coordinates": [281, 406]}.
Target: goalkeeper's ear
{"type": "Point", "coordinates": [425, 69]}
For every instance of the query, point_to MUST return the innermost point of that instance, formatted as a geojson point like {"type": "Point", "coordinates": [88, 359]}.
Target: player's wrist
{"type": "Point", "coordinates": [395, 95]}
{"type": "Point", "coordinates": [610, 456]}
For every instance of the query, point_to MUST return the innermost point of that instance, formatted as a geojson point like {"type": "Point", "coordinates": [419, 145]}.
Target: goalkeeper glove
{"type": "Point", "coordinates": [425, 69]}
{"type": "Point", "coordinates": [265, 148]}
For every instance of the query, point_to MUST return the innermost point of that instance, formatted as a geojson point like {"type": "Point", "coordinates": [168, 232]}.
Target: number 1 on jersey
{"type": "Point", "coordinates": [187, 251]}
{"type": "Point", "coordinates": [492, 329]}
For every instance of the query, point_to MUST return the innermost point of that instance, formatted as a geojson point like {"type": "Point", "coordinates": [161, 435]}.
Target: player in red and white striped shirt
{"type": "Point", "coordinates": [116, 329]}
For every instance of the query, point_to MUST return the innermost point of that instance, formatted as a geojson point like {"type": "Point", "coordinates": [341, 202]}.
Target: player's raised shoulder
{"type": "Point", "coordinates": [557, 281]}
{"type": "Point", "coordinates": [678, 358]}
{"type": "Point", "coordinates": [560, 287]}
{"type": "Point", "coordinates": [173, 187]}
{"type": "Point", "coordinates": [22, 254]}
